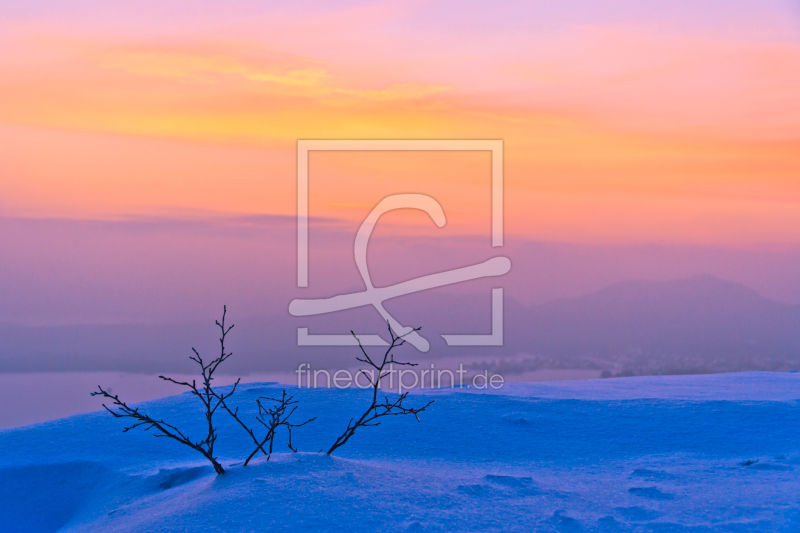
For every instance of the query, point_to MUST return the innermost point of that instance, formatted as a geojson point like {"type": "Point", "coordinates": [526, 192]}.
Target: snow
{"type": "Point", "coordinates": [678, 453]}
{"type": "Point", "coordinates": [741, 386]}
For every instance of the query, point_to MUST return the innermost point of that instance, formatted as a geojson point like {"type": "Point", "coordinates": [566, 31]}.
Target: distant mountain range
{"type": "Point", "coordinates": [698, 324]}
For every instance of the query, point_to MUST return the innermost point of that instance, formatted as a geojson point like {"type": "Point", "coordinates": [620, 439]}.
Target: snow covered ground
{"type": "Point", "coordinates": [680, 453]}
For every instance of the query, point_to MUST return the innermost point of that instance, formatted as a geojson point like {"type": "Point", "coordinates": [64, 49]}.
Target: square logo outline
{"type": "Point", "coordinates": [305, 146]}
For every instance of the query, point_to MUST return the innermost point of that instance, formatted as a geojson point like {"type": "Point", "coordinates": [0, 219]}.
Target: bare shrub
{"type": "Point", "coordinates": [273, 413]}
{"type": "Point", "coordinates": [271, 417]}
{"type": "Point", "coordinates": [210, 399]}
{"type": "Point", "coordinates": [379, 408]}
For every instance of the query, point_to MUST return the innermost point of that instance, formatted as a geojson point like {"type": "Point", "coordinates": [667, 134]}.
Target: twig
{"type": "Point", "coordinates": [378, 409]}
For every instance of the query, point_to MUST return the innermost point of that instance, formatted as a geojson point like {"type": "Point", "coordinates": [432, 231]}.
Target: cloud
{"type": "Point", "coordinates": [213, 62]}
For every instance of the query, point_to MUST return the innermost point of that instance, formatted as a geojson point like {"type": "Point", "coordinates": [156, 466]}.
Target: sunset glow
{"type": "Point", "coordinates": [620, 125]}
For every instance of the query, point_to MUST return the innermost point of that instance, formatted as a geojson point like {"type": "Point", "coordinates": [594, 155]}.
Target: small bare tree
{"type": "Point", "coordinates": [210, 398]}
{"type": "Point", "coordinates": [379, 409]}
{"type": "Point", "coordinates": [271, 417]}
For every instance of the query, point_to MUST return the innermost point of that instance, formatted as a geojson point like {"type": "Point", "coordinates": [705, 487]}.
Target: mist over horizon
{"type": "Point", "coordinates": [136, 294]}
{"type": "Point", "coordinates": [700, 324]}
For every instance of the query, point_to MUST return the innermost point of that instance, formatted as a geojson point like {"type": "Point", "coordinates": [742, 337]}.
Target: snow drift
{"type": "Point", "coordinates": [681, 453]}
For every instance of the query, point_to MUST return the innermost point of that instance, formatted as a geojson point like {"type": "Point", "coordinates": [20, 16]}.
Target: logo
{"type": "Point", "coordinates": [375, 296]}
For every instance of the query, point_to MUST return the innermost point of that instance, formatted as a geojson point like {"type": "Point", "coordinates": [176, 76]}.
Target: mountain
{"type": "Point", "coordinates": [699, 324]}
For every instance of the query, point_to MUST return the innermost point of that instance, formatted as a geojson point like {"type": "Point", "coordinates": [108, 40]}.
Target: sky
{"type": "Point", "coordinates": [148, 150]}
{"type": "Point", "coordinates": [623, 122]}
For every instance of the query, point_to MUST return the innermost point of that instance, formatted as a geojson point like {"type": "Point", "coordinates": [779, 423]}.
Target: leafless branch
{"type": "Point", "coordinates": [205, 393]}
{"type": "Point", "coordinates": [379, 409]}
{"type": "Point", "coordinates": [122, 410]}
{"type": "Point", "coordinates": [273, 417]}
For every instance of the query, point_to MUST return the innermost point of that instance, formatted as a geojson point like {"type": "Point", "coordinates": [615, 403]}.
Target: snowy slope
{"type": "Point", "coordinates": [628, 454]}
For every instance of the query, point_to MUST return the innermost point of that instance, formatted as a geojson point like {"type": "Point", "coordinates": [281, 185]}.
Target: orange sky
{"type": "Point", "coordinates": [623, 124]}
